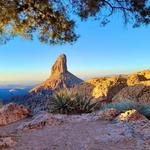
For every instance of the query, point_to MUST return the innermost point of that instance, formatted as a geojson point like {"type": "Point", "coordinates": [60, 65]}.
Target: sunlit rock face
{"type": "Point", "coordinates": [118, 88]}
{"type": "Point", "coordinates": [60, 77]}
{"type": "Point", "coordinates": [130, 116]}
{"type": "Point", "coordinates": [145, 73]}
{"type": "Point", "coordinates": [142, 78]}
{"type": "Point", "coordinates": [108, 87]}
{"type": "Point", "coordinates": [59, 67]}
{"type": "Point", "coordinates": [102, 88]}
{"type": "Point", "coordinates": [135, 79]}
{"type": "Point", "coordinates": [138, 89]}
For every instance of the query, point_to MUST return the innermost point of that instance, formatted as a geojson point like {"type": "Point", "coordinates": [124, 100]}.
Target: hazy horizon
{"type": "Point", "coordinates": [83, 76]}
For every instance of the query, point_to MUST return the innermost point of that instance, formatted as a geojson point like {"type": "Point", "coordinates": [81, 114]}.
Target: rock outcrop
{"type": "Point", "coordinates": [134, 79]}
{"type": "Point", "coordinates": [116, 88]}
{"type": "Point", "coordinates": [136, 93]}
{"type": "Point", "coordinates": [131, 116]}
{"type": "Point", "coordinates": [108, 114]}
{"type": "Point", "coordinates": [102, 89]}
{"type": "Point", "coordinates": [60, 77]}
{"type": "Point", "coordinates": [7, 142]}
{"type": "Point", "coordinates": [139, 78]}
{"type": "Point", "coordinates": [12, 112]}
{"type": "Point", "coordinates": [145, 73]}
{"type": "Point", "coordinates": [39, 121]}
{"type": "Point", "coordinates": [38, 102]}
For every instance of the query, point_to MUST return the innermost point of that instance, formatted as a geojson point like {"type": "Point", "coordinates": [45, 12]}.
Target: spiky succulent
{"type": "Point", "coordinates": [69, 103]}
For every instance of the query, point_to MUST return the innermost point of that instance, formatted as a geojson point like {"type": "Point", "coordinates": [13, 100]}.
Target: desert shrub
{"type": "Point", "coordinates": [121, 106]}
{"type": "Point", "coordinates": [144, 110]}
{"type": "Point", "coordinates": [125, 105]}
{"type": "Point", "coordinates": [60, 103]}
{"type": "Point", "coordinates": [67, 102]}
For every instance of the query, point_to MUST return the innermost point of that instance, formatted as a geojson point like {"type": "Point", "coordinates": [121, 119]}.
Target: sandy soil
{"type": "Point", "coordinates": [68, 136]}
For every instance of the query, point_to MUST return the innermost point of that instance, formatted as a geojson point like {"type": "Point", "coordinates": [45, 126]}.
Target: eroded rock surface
{"type": "Point", "coordinates": [131, 116]}
{"type": "Point", "coordinates": [38, 121]}
{"type": "Point", "coordinates": [102, 88]}
{"type": "Point", "coordinates": [7, 142]}
{"type": "Point", "coordinates": [95, 132]}
{"type": "Point", "coordinates": [137, 93]}
{"type": "Point", "coordinates": [12, 112]}
{"type": "Point", "coordinates": [108, 114]}
{"type": "Point", "coordinates": [116, 88]}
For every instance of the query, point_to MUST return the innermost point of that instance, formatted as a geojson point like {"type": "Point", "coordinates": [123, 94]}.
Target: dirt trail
{"type": "Point", "coordinates": [69, 136]}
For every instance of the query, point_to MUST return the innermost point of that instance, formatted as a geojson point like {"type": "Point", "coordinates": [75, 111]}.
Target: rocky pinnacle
{"type": "Point", "coordinates": [60, 77]}
{"type": "Point", "coordinates": [60, 66]}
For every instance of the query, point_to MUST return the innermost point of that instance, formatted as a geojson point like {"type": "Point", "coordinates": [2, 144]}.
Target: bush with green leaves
{"type": "Point", "coordinates": [121, 106]}
{"type": "Point", "coordinates": [125, 105]}
{"type": "Point", "coordinates": [69, 103]}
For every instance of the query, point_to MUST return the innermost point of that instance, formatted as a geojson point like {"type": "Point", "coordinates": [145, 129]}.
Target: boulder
{"type": "Point", "coordinates": [131, 116]}
{"type": "Point", "coordinates": [137, 93]}
{"type": "Point", "coordinates": [108, 114]}
{"type": "Point", "coordinates": [38, 121]}
{"type": "Point", "coordinates": [6, 142]}
{"type": "Point", "coordinates": [12, 112]}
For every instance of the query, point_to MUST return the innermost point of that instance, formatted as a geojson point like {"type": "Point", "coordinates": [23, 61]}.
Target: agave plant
{"type": "Point", "coordinates": [83, 104]}
{"type": "Point", "coordinates": [60, 103]}
{"type": "Point", "coordinates": [68, 103]}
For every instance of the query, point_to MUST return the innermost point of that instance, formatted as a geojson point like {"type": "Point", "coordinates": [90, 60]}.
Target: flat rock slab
{"type": "Point", "coordinates": [82, 135]}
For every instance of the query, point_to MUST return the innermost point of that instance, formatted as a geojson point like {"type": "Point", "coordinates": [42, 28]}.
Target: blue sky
{"type": "Point", "coordinates": [99, 51]}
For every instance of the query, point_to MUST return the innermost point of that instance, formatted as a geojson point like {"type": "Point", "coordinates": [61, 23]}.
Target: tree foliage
{"type": "Point", "coordinates": [52, 20]}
